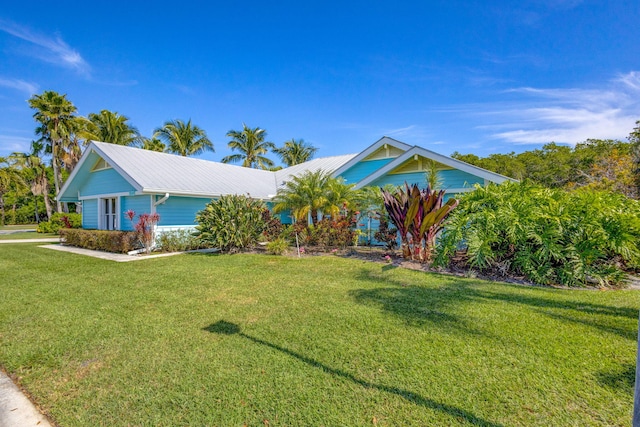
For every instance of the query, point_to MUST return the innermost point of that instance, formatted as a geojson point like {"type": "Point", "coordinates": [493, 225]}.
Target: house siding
{"type": "Point", "coordinates": [180, 210]}
{"type": "Point", "coordinates": [106, 181]}
{"type": "Point", "coordinates": [363, 169]}
{"type": "Point", "coordinates": [451, 178]}
{"type": "Point", "coordinates": [138, 204]}
{"type": "Point", "coordinates": [90, 214]}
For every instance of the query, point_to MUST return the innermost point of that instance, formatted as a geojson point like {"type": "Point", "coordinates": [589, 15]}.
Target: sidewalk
{"type": "Point", "coordinates": [15, 409]}
{"type": "Point", "coordinates": [44, 240]}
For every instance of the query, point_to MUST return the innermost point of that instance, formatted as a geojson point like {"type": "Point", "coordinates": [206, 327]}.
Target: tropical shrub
{"type": "Point", "coordinates": [549, 236]}
{"type": "Point", "coordinates": [418, 215]}
{"type": "Point", "coordinates": [231, 222]}
{"type": "Point", "coordinates": [101, 240]}
{"type": "Point", "coordinates": [273, 227]}
{"type": "Point", "coordinates": [278, 246]}
{"type": "Point", "coordinates": [60, 220]}
{"type": "Point", "coordinates": [385, 234]}
{"type": "Point", "coordinates": [145, 227]}
{"type": "Point", "coordinates": [329, 232]}
{"type": "Point", "coordinates": [178, 241]}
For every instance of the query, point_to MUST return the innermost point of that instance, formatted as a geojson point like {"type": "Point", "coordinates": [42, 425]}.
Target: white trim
{"type": "Point", "coordinates": [104, 196]}
{"type": "Point", "coordinates": [370, 150]}
{"type": "Point", "coordinates": [102, 213]}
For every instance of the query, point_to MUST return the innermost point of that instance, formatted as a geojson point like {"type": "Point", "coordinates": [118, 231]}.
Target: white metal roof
{"type": "Point", "coordinates": [153, 172]}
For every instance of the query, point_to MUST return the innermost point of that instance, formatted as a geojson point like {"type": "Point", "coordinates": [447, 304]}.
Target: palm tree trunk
{"type": "Point", "coordinates": [57, 177]}
{"type": "Point", "coordinates": [35, 202]}
{"type": "Point", "coordinates": [1, 209]}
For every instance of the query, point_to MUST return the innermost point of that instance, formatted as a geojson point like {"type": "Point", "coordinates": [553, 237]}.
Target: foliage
{"type": "Point", "coordinates": [145, 227]}
{"type": "Point", "coordinates": [152, 144]}
{"type": "Point", "coordinates": [34, 172]}
{"type": "Point", "coordinates": [386, 235]}
{"type": "Point", "coordinates": [278, 246]}
{"type": "Point", "coordinates": [101, 240]}
{"type": "Point", "coordinates": [329, 232]}
{"type": "Point", "coordinates": [251, 145]}
{"type": "Point", "coordinates": [178, 241]}
{"type": "Point", "coordinates": [231, 222]}
{"type": "Point", "coordinates": [549, 236]}
{"type": "Point", "coordinates": [273, 227]}
{"type": "Point", "coordinates": [111, 127]}
{"type": "Point", "coordinates": [294, 152]}
{"type": "Point", "coordinates": [185, 139]}
{"type": "Point", "coordinates": [57, 125]}
{"type": "Point", "coordinates": [10, 180]}
{"type": "Point", "coordinates": [60, 221]}
{"type": "Point", "coordinates": [308, 194]}
{"type": "Point", "coordinates": [601, 164]}
{"type": "Point", "coordinates": [418, 215]}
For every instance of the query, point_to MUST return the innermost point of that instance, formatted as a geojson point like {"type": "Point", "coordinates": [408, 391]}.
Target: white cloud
{"type": "Point", "coordinates": [49, 49]}
{"type": "Point", "coordinates": [567, 115]}
{"type": "Point", "coordinates": [20, 85]}
{"type": "Point", "coordinates": [11, 144]}
{"type": "Point", "coordinates": [411, 132]}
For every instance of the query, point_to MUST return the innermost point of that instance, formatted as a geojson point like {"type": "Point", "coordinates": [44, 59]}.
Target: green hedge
{"type": "Point", "coordinates": [59, 221]}
{"type": "Point", "coordinates": [102, 240]}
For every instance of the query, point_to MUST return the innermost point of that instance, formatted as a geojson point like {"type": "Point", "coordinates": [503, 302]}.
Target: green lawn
{"type": "Point", "coordinates": [259, 340]}
{"type": "Point", "coordinates": [27, 235]}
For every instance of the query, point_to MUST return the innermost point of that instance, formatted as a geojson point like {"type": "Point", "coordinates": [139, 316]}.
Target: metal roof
{"type": "Point", "coordinates": [154, 172]}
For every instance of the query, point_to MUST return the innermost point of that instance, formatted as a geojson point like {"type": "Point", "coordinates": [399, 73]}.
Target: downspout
{"type": "Point", "coordinates": [162, 200]}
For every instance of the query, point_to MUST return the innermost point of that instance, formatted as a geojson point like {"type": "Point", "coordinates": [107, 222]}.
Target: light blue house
{"type": "Point", "coordinates": [111, 179]}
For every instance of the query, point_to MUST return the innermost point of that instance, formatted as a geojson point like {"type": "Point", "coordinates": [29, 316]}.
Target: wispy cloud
{"type": "Point", "coordinates": [12, 144]}
{"type": "Point", "coordinates": [407, 132]}
{"type": "Point", "coordinates": [569, 115]}
{"type": "Point", "coordinates": [51, 49]}
{"type": "Point", "coordinates": [20, 85]}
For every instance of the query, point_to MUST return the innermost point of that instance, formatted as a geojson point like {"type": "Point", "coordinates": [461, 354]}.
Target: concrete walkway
{"type": "Point", "coordinates": [43, 240]}
{"type": "Point", "coordinates": [117, 257]}
{"type": "Point", "coordinates": [15, 409]}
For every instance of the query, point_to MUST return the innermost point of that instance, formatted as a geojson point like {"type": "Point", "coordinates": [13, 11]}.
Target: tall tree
{"type": "Point", "coordinates": [111, 127]}
{"type": "Point", "coordinates": [183, 138]}
{"type": "Point", "coordinates": [251, 144]}
{"type": "Point", "coordinates": [55, 114]}
{"type": "Point", "coordinates": [634, 139]}
{"type": "Point", "coordinates": [294, 152]}
{"type": "Point", "coordinates": [35, 173]}
{"type": "Point", "coordinates": [152, 144]}
{"type": "Point", "coordinates": [10, 179]}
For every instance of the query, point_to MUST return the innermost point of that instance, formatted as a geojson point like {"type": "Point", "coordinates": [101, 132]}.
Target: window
{"type": "Point", "coordinates": [101, 164]}
{"type": "Point", "coordinates": [108, 214]}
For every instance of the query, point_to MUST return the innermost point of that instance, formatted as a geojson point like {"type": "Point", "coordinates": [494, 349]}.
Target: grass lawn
{"type": "Point", "coordinates": [27, 235]}
{"type": "Point", "coordinates": [259, 340]}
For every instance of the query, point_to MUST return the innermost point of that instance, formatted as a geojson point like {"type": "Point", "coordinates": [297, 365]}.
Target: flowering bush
{"type": "Point", "coordinates": [145, 227]}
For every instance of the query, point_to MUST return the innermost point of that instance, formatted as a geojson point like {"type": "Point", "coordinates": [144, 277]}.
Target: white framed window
{"type": "Point", "coordinates": [109, 208]}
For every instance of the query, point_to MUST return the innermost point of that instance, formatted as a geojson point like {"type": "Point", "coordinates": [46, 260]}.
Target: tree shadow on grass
{"type": "Point", "coordinates": [440, 306]}
{"type": "Point", "coordinates": [419, 305]}
{"type": "Point", "coordinates": [622, 379]}
{"type": "Point", "coordinates": [227, 328]}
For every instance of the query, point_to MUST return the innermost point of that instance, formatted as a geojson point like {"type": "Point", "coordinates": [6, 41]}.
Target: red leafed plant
{"type": "Point", "coordinates": [145, 227]}
{"type": "Point", "coordinates": [419, 216]}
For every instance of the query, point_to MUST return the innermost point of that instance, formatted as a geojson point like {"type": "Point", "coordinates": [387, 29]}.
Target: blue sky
{"type": "Point", "coordinates": [475, 76]}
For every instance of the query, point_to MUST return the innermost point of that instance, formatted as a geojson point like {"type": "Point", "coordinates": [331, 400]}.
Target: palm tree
{"type": "Point", "coordinates": [35, 172]}
{"type": "Point", "coordinates": [340, 196]}
{"type": "Point", "coordinates": [153, 144]}
{"type": "Point", "coordinates": [294, 152]}
{"type": "Point", "coordinates": [251, 145]}
{"type": "Point", "coordinates": [54, 113]}
{"type": "Point", "coordinates": [10, 179]}
{"type": "Point", "coordinates": [183, 138]}
{"type": "Point", "coordinates": [311, 192]}
{"type": "Point", "coordinates": [111, 127]}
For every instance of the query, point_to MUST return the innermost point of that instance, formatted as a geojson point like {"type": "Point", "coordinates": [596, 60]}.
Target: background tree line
{"type": "Point", "coordinates": [599, 164]}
